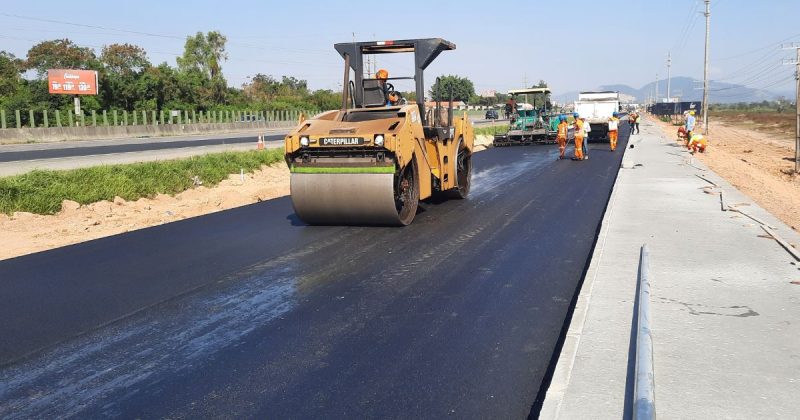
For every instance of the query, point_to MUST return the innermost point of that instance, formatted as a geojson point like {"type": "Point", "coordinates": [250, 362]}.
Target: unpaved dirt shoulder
{"type": "Point", "coordinates": [26, 233]}
{"type": "Point", "coordinates": [757, 164]}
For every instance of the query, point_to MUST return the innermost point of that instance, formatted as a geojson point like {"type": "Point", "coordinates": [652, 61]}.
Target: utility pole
{"type": "Point", "coordinates": [669, 78]}
{"type": "Point", "coordinates": [796, 62]}
{"type": "Point", "coordinates": [656, 88]}
{"type": "Point", "coordinates": [705, 69]}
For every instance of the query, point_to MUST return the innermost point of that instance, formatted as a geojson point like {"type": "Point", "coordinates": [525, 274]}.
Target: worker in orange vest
{"type": "Point", "coordinates": [698, 143]}
{"type": "Point", "coordinates": [561, 136]}
{"type": "Point", "coordinates": [613, 131]}
{"type": "Point", "coordinates": [578, 137]}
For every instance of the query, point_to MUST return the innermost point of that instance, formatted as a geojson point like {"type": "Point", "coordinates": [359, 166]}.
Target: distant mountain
{"type": "Point", "coordinates": [688, 89]}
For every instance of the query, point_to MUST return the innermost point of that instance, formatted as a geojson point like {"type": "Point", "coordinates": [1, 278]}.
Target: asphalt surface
{"type": "Point", "coordinates": [66, 152]}
{"type": "Point", "coordinates": [249, 313]}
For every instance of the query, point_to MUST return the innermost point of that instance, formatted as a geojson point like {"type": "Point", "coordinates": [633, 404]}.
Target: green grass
{"type": "Point", "coordinates": [343, 170]}
{"type": "Point", "coordinates": [490, 131]}
{"type": "Point", "coordinates": [41, 192]}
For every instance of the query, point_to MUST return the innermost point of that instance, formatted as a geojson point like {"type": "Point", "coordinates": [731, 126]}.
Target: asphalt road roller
{"type": "Point", "coordinates": [374, 159]}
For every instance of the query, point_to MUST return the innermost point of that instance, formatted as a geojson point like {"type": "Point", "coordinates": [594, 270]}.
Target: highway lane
{"type": "Point", "coordinates": [74, 151]}
{"type": "Point", "coordinates": [249, 313]}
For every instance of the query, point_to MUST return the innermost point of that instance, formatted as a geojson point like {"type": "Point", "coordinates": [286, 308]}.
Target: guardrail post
{"type": "Point", "coordinates": [135, 118]}
{"type": "Point", "coordinates": [194, 116]}
{"type": "Point", "coordinates": [186, 117]}
{"type": "Point", "coordinates": [83, 121]}
{"type": "Point", "coordinates": [19, 120]}
{"type": "Point", "coordinates": [213, 116]}
{"type": "Point", "coordinates": [2, 118]}
{"type": "Point", "coordinates": [105, 118]}
{"type": "Point", "coordinates": [44, 119]}
{"type": "Point", "coordinates": [644, 389]}
{"type": "Point", "coordinates": [115, 117]}
{"type": "Point", "coordinates": [69, 118]}
{"type": "Point", "coordinates": [144, 117]}
{"type": "Point", "coordinates": [125, 117]}
{"type": "Point", "coordinates": [161, 116]}
{"type": "Point", "coordinates": [94, 118]}
{"type": "Point", "coordinates": [180, 118]}
{"type": "Point", "coordinates": [32, 119]}
{"type": "Point", "coordinates": [153, 117]}
{"type": "Point", "coordinates": [58, 118]}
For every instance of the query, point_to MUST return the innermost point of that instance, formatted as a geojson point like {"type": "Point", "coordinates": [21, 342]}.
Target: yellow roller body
{"type": "Point", "coordinates": [374, 159]}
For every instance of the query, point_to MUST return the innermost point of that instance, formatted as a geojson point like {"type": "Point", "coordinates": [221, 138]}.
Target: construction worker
{"type": "Point", "coordinates": [633, 120]}
{"type": "Point", "coordinates": [561, 135]}
{"type": "Point", "coordinates": [689, 126]}
{"type": "Point", "coordinates": [698, 143]}
{"type": "Point", "coordinates": [586, 129]}
{"type": "Point", "coordinates": [578, 137]}
{"type": "Point", "coordinates": [383, 75]}
{"type": "Point", "coordinates": [613, 127]}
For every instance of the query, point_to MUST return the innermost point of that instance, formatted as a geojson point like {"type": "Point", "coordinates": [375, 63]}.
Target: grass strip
{"type": "Point", "coordinates": [42, 192]}
{"type": "Point", "coordinates": [490, 131]}
{"type": "Point", "coordinates": [343, 170]}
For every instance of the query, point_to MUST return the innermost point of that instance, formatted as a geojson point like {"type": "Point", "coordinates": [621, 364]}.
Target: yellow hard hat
{"type": "Point", "coordinates": [691, 112]}
{"type": "Point", "coordinates": [382, 74]}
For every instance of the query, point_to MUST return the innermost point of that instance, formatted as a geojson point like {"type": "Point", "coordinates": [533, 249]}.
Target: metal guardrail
{"type": "Point", "coordinates": [644, 407]}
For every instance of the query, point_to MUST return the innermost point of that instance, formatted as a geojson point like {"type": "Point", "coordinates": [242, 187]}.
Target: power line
{"type": "Point", "coordinates": [771, 45]}
{"type": "Point", "coordinates": [157, 35]}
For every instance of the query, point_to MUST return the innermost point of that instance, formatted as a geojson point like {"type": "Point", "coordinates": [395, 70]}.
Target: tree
{"type": "Point", "coordinates": [60, 53]}
{"type": "Point", "coordinates": [123, 65]}
{"type": "Point", "coordinates": [124, 59]}
{"type": "Point", "coordinates": [462, 88]}
{"type": "Point", "coordinates": [10, 69]}
{"type": "Point", "coordinates": [203, 54]}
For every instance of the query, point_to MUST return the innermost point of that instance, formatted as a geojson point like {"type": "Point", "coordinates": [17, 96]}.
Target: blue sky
{"type": "Point", "coordinates": [574, 45]}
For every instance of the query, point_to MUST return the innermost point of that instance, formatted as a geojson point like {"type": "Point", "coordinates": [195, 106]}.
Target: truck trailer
{"type": "Point", "coordinates": [597, 108]}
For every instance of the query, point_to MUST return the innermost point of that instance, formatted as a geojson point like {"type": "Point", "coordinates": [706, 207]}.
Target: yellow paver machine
{"type": "Point", "coordinates": [373, 160]}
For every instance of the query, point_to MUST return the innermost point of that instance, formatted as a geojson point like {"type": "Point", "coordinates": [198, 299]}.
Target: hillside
{"type": "Point", "coordinates": [687, 89]}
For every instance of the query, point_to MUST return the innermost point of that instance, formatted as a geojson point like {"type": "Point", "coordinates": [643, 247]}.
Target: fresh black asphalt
{"type": "Point", "coordinates": [75, 151]}
{"type": "Point", "coordinates": [249, 313]}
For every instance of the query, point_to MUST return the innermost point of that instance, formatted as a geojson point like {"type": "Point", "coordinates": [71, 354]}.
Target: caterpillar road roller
{"type": "Point", "coordinates": [374, 159]}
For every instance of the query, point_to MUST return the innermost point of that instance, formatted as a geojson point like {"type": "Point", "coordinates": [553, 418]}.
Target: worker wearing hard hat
{"type": "Point", "coordinates": [382, 76]}
{"type": "Point", "coordinates": [698, 143]}
{"type": "Point", "coordinates": [586, 129]}
{"type": "Point", "coordinates": [613, 130]}
{"type": "Point", "coordinates": [689, 126]}
{"type": "Point", "coordinates": [561, 135]}
{"type": "Point", "coordinates": [578, 137]}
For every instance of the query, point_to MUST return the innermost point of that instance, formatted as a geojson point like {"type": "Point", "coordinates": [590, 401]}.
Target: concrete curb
{"type": "Point", "coordinates": [566, 360]}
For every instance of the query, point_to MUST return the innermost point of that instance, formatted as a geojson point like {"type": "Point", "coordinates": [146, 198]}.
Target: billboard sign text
{"type": "Point", "coordinates": [72, 82]}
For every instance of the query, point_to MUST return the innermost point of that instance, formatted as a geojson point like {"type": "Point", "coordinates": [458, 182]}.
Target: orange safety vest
{"type": "Point", "coordinates": [579, 128]}
{"type": "Point", "coordinates": [562, 130]}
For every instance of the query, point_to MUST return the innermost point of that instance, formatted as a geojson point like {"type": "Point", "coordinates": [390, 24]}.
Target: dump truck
{"type": "Point", "coordinates": [530, 122]}
{"type": "Point", "coordinates": [597, 108]}
{"type": "Point", "coordinates": [374, 159]}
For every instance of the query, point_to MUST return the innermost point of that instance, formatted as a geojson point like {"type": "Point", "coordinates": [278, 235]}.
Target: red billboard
{"type": "Point", "coordinates": [72, 82]}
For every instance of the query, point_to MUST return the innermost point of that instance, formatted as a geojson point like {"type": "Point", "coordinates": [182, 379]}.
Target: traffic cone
{"type": "Point", "coordinates": [260, 144]}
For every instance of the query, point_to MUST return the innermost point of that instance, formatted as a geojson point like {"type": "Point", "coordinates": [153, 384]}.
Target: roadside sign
{"type": "Point", "coordinates": [72, 82]}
